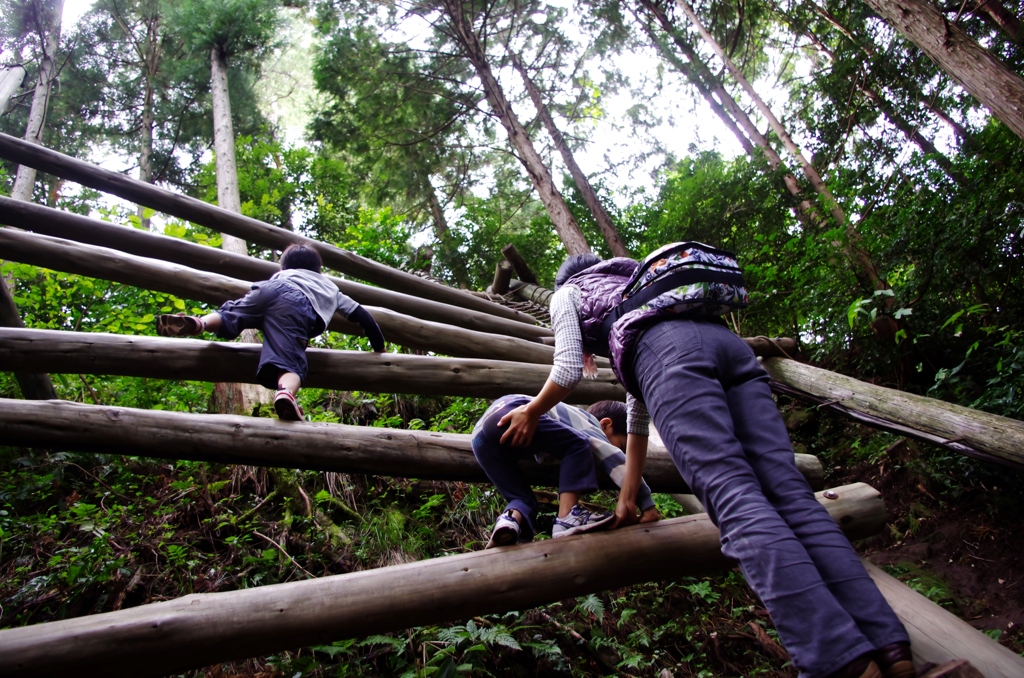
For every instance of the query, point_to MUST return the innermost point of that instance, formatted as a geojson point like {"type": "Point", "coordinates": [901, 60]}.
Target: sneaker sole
{"type": "Point", "coordinates": [287, 410]}
{"type": "Point", "coordinates": [173, 325]}
{"type": "Point", "coordinates": [502, 537]}
{"type": "Point", "coordinates": [593, 526]}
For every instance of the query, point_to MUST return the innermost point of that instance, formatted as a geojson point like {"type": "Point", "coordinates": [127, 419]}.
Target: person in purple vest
{"type": "Point", "coordinates": [709, 398]}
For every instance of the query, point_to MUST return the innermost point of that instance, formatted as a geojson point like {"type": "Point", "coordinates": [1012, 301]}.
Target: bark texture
{"type": "Point", "coordinates": [239, 225]}
{"type": "Point", "coordinates": [215, 627]}
{"type": "Point", "coordinates": [604, 220]}
{"type": "Point", "coordinates": [995, 438]}
{"type": "Point", "coordinates": [565, 224]}
{"type": "Point", "coordinates": [973, 67]}
{"type": "Point", "coordinates": [60, 224]}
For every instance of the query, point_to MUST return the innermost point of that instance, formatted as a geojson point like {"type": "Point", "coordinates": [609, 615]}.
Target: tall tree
{"type": "Point", "coordinates": [459, 25]}
{"type": "Point", "coordinates": [401, 120]}
{"type": "Point", "coordinates": [11, 78]}
{"type": "Point", "coordinates": [865, 268]}
{"type": "Point", "coordinates": [601, 216]}
{"type": "Point", "coordinates": [989, 81]}
{"type": "Point", "coordinates": [243, 30]}
{"type": "Point", "coordinates": [42, 18]}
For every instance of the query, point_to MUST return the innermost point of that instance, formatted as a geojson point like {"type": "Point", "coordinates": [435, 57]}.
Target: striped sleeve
{"type": "Point", "coordinates": [565, 323]}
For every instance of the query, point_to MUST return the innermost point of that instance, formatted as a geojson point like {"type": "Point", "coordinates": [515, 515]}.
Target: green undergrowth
{"type": "Point", "coordinates": [82, 534]}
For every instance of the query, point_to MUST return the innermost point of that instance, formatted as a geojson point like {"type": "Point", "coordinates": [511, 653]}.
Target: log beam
{"type": "Point", "coordinates": [60, 224]}
{"type": "Point", "coordinates": [971, 432]}
{"type": "Point", "coordinates": [203, 629]}
{"type": "Point", "coordinates": [240, 226]}
{"type": "Point", "coordinates": [197, 360]}
{"type": "Point", "coordinates": [256, 441]}
{"type": "Point", "coordinates": [213, 288]}
{"type": "Point", "coordinates": [937, 636]}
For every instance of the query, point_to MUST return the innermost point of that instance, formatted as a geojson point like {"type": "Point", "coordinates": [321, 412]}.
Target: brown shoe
{"type": "Point", "coordinates": [895, 661]}
{"type": "Point", "coordinates": [179, 325]}
{"type": "Point", "coordinates": [861, 667]}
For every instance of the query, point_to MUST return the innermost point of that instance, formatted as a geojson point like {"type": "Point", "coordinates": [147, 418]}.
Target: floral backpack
{"type": "Point", "coordinates": [685, 278]}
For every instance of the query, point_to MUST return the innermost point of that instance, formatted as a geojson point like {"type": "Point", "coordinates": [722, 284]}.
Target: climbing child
{"type": "Point", "coordinates": [570, 435]}
{"type": "Point", "coordinates": [295, 305]}
{"type": "Point", "coordinates": [710, 400]}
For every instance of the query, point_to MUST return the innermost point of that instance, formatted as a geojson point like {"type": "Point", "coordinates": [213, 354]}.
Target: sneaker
{"type": "Point", "coordinates": [180, 325]}
{"type": "Point", "coordinates": [506, 531]}
{"type": "Point", "coordinates": [580, 520]}
{"type": "Point", "coordinates": [287, 407]}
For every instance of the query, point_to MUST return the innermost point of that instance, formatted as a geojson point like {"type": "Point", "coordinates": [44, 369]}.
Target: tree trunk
{"type": "Point", "coordinates": [70, 226]}
{"type": "Point", "coordinates": [229, 398]}
{"type": "Point", "coordinates": [972, 432]}
{"type": "Point", "coordinates": [565, 224]}
{"type": "Point", "coordinates": [150, 68]}
{"type": "Point", "coordinates": [258, 232]}
{"type": "Point", "coordinates": [11, 79]}
{"type": "Point", "coordinates": [728, 110]}
{"type": "Point", "coordinates": [604, 221]}
{"type": "Point", "coordinates": [26, 176]}
{"type": "Point", "coordinates": [202, 629]}
{"type": "Point", "coordinates": [1001, 17]}
{"type": "Point", "coordinates": [938, 636]}
{"type": "Point", "coordinates": [33, 386]}
{"type": "Point", "coordinates": [975, 68]}
{"type": "Point", "coordinates": [867, 273]}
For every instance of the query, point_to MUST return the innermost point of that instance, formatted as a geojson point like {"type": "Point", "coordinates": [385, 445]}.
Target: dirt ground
{"type": "Point", "coordinates": [965, 552]}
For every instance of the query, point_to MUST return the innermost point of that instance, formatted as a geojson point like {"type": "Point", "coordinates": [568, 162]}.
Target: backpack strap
{"type": "Point", "coordinates": [667, 283]}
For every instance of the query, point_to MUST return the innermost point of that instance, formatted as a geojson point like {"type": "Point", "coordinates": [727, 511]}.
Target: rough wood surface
{"type": "Point", "coordinates": [522, 269]}
{"type": "Point", "coordinates": [960, 668]}
{"type": "Point", "coordinates": [502, 276]}
{"type": "Point", "coordinates": [1000, 438]}
{"type": "Point", "coordinates": [212, 288]}
{"type": "Point", "coordinates": [256, 441]}
{"type": "Point", "coordinates": [198, 630]}
{"type": "Point", "coordinates": [938, 636]}
{"type": "Point", "coordinates": [240, 226]}
{"type": "Point", "coordinates": [198, 360]}
{"type": "Point", "coordinates": [975, 68]}
{"type": "Point", "coordinates": [59, 224]}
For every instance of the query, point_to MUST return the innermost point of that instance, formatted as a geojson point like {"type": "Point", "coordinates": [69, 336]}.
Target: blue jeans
{"type": "Point", "coordinates": [710, 401]}
{"type": "Point", "coordinates": [501, 462]}
{"type": "Point", "coordinates": [287, 320]}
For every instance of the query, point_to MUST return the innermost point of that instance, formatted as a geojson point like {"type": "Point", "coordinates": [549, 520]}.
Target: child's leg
{"type": "Point", "coordinates": [566, 500]}
{"type": "Point", "coordinates": [211, 322]}
{"type": "Point", "coordinates": [289, 381]}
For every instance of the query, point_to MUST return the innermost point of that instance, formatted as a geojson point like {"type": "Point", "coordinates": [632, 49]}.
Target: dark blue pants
{"type": "Point", "coordinates": [553, 438]}
{"type": "Point", "coordinates": [710, 401]}
{"type": "Point", "coordinates": [287, 320]}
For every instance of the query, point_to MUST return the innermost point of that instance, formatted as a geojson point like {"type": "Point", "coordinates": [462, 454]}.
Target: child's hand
{"type": "Point", "coordinates": [651, 515]}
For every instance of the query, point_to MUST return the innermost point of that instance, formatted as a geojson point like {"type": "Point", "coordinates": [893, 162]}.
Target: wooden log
{"type": "Point", "coordinates": [197, 360]}
{"type": "Point", "coordinates": [937, 636]}
{"type": "Point", "coordinates": [502, 276]}
{"type": "Point", "coordinates": [972, 432]}
{"type": "Point", "coordinates": [530, 292]}
{"type": "Point", "coordinates": [33, 385]}
{"type": "Point", "coordinates": [202, 629]}
{"type": "Point", "coordinates": [100, 262]}
{"type": "Point", "coordinates": [59, 224]}
{"type": "Point", "coordinates": [240, 226]}
{"type": "Point", "coordinates": [523, 270]}
{"type": "Point", "coordinates": [255, 441]}
{"type": "Point", "coordinates": [958, 668]}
